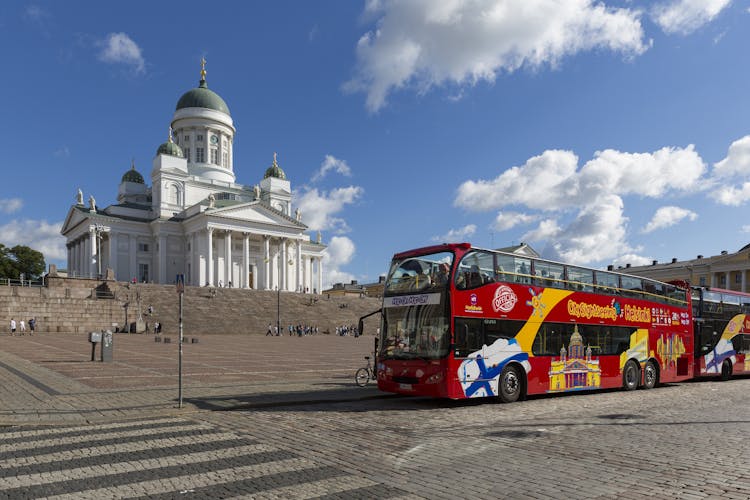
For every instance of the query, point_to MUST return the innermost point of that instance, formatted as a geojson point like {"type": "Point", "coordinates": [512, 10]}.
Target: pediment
{"type": "Point", "coordinates": [254, 212]}
{"type": "Point", "coordinates": [75, 216]}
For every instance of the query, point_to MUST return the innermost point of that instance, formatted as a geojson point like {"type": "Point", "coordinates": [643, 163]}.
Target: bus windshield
{"type": "Point", "coordinates": [415, 308]}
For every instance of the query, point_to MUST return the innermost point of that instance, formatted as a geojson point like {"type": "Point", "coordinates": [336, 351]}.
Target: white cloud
{"type": "Point", "coordinates": [544, 182]}
{"type": "Point", "coordinates": [646, 174]}
{"type": "Point", "coordinates": [632, 259]}
{"type": "Point", "coordinates": [119, 48]}
{"type": "Point", "coordinates": [589, 223]}
{"type": "Point", "coordinates": [732, 196]}
{"type": "Point", "coordinates": [597, 233]}
{"type": "Point", "coordinates": [745, 228]}
{"type": "Point", "coordinates": [669, 216]}
{"type": "Point", "coordinates": [319, 207]}
{"type": "Point", "coordinates": [509, 220]}
{"type": "Point", "coordinates": [36, 234]}
{"type": "Point", "coordinates": [686, 16]}
{"type": "Point", "coordinates": [737, 161]}
{"type": "Point", "coordinates": [551, 180]}
{"type": "Point", "coordinates": [457, 235]}
{"type": "Point", "coordinates": [339, 253]}
{"type": "Point", "coordinates": [331, 163]}
{"type": "Point", "coordinates": [10, 205]}
{"type": "Point", "coordinates": [423, 43]}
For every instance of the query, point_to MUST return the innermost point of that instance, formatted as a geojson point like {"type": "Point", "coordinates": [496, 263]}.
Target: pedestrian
{"type": "Point", "coordinates": [270, 331]}
{"type": "Point", "coordinates": [150, 309]}
{"type": "Point", "coordinates": [22, 325]}
{"type": "Point", "coordinates": [32, 325]}
{"type": "Point", "coordinates": [12, 327]}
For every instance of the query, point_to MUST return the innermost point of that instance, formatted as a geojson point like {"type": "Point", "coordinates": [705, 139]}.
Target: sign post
{"type": "Point", "coordinates": [180, 281]}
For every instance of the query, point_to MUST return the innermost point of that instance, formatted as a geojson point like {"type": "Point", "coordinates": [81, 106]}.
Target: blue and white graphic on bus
{"type": "Point", "coordinates": [479, 373]}
{"type": "Point", "coordinates": [412, 300]}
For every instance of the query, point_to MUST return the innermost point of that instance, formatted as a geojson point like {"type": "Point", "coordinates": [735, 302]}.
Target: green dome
{"type": "Point", "coordinates": [202, 97]}
{"type": "Point", "coordinates": [170, 148]}
{"type": "Point", "coordinates": [275, 170]}
{"type": "Point", "coordinates": [132, 175]}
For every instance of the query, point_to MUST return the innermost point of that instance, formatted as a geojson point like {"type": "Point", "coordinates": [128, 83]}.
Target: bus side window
{"type": "Point", "coordinates": [468, 336]}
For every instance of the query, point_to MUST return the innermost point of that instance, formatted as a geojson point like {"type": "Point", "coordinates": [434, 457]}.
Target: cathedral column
{"type": "Point", "coordinates": [210, 257]}
{"type": "Point", "coordinates": [266, 262]}
{"type": "Point", "coordinates": [73, 259]}
{"type": "Point", "coordinates": [282, 274]}
{"type": "Point", "coordinates": [162, 258]}
{"type": "Point", "coordinates": [299, 286]}
{"type": "Point", "coordinates": [320, 275]}
{"type": "Point", "coordinates": [245, 281]}
{"type": "Point", "coordinates": [92, 255]}
{"type": "Point", "coordinates": [228, 258]}
{"type": "Point", "coordinates": [112, 253]}
{"type": "Point", "coordinates": [193, 275]}
{"type": "Point", "coordinates": [133, 261]}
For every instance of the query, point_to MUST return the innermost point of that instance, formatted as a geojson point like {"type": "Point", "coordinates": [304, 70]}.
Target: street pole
{"type": "Point", "coordinates": [180, 291]}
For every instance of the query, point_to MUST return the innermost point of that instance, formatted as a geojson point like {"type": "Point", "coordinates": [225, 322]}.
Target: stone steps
{"type": "Point", "coordinates": [69, 306]}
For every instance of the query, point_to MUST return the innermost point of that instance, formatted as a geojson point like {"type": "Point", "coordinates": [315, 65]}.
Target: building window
{"type": "Point", "coordinates": [174, 194]}
{"type": "Point", "coordinates": [224, 159]}
{"type": "Point", "coordinates": [702, 281]}
{"type": "Point", "coordinates": [214, 156]}
{"type": "Point", "coordinates": [187, 154]}
{"type": "Point", "coordinates": [199, 137]}
{"type": "Point", "coordinates": [200, 155]}
{"type": "Point", "coordinates": [723, 280]}
{"type": "Point", "coordinates": [738, 278]}
{"type": "Point", "coordinates": [143, 247]}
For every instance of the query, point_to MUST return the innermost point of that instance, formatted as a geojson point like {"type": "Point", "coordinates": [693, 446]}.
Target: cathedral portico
{"type": "Point", "coordinates": [195, 219]}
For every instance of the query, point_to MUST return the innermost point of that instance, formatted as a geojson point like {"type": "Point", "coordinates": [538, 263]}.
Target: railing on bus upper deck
{"type": "Point", "coordinates": [671, 294]}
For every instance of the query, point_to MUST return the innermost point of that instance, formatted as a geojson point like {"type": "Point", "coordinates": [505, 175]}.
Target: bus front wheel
{"type": "Point", "coordinates": [510, 385]}
{"type": "Point", "coordinates": [631, 376]}
{"type": "Point", "coordinates": [726, 370]}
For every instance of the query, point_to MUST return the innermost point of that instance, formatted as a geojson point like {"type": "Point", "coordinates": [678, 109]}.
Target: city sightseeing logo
{"type": "Point", "coordinates": [473, 307]}
{"type": "Point", "coordinates": [504, 300]}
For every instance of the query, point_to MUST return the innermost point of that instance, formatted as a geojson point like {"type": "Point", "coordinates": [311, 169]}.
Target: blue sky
{"type": "Point", "coordinates": [598, 132]}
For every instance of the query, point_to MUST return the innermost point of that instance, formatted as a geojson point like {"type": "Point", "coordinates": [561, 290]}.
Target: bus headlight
{"type": "Point", "coordinates": [434, 378]}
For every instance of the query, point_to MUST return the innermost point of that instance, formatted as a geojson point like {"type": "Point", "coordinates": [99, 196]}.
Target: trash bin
{"type": "Point", "coordinates": [94, 338]}
{"type": "Point", "coordinates": [107, 346]}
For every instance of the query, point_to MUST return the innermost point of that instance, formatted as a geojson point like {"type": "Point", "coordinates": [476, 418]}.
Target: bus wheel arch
{"type": "Point", "coordinates": [631, 375]}
{"type": "Point", "coordinates": [726, 370]}
{"type": "Point", "coordinates": [650, 374]}
{"type": "Point", "coordinates": [511, 386]}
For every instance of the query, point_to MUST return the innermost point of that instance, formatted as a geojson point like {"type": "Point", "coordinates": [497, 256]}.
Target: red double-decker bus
{"type": "Point", "coordinates": [722, 332]}
{"type": "Point", "coordinates": [464, 322]}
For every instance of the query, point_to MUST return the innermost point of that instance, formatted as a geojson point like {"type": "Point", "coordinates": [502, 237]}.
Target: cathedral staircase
{"type": "Point", "coordinates": [80, 305]}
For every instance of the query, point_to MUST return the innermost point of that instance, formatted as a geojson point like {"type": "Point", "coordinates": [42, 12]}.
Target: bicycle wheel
{"type": "Point", "coordinates": [362, 377]}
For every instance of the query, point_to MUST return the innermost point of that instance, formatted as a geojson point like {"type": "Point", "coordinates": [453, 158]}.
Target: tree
{"type": "Point", "coordinates": [20, 259]}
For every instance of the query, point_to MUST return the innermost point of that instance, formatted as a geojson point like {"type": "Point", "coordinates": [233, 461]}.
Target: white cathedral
{"type": "Point", "coordinates": [195, 220]}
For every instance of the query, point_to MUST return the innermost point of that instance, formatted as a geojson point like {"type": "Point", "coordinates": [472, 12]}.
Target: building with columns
{"type": "Point", "coordinates": [729, 271]}
{"type": "Point", "coordinates": [195, 219]}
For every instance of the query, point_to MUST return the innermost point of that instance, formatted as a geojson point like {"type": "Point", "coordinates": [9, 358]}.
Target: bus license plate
{"type": "Point", "coordinates": [405, 387]}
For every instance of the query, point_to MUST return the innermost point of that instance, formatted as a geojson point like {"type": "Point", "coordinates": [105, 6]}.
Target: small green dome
{"type": "Point", "coordinates": [275, 170]}
{"type": "Point", "coordinates": [133, 175]}
{"type": "Point", "coordinates": [202, 97]}
{"type": "Point", "coordinates": [170, 148]}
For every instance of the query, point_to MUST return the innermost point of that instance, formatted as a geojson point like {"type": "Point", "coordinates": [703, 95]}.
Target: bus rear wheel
{"type": "Point", "coordinates": [631, 375]}
{"type": "Point", "coordinates": [726, 370]}
{"type": "Point", "coordinates": [650, 375]}
{"type": "Point", "coordinates": [510, 385]}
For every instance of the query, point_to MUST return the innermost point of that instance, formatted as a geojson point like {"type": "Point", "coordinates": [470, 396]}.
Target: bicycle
{"type": "Point", "coordinates": [365, 374]}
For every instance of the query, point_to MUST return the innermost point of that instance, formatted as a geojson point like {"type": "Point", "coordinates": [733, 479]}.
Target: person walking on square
{"type": "Point", "coordinates": [269, 331]}
{"type": "Point", "coordinates": [12, 327]}
{"type": "Point", "coordinates": [22, 324]}
{"type": "Point", "coordinates": [32, 326]}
